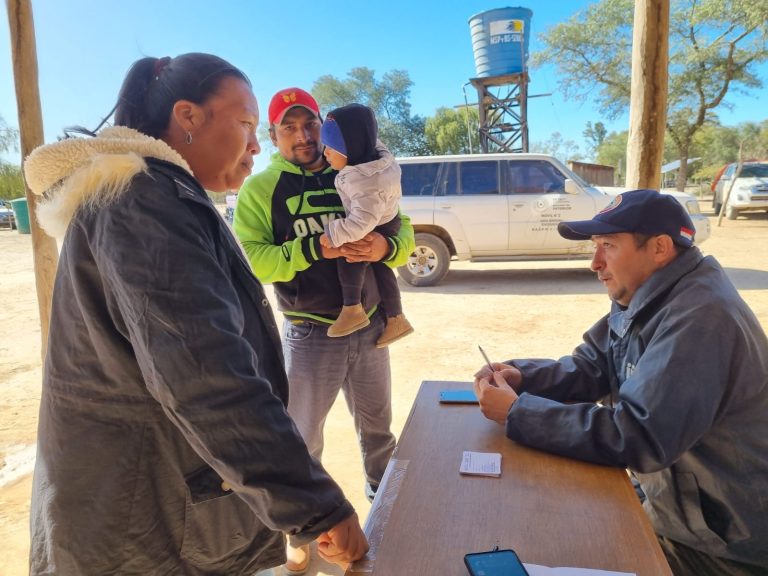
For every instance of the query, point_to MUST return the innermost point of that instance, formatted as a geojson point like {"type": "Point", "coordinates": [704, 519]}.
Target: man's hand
{"type": "Point", "coordinates": [371, 248]}
{"type": "Point", "coordinates": [511, 374]}
{"type": "Point", "coordinates": [344, 543]}
{"type": "Point", "coordinates": [495, 397]}
{"type": "Point", "coordinates": [330, 252]}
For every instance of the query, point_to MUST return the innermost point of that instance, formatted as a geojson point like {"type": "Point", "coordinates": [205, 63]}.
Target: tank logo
{"type": "Point", "coordinates": [503, 31]}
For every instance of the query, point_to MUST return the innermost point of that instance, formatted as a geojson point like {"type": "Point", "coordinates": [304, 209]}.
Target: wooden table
{"type": "Point", "coordinates": [552, 511]}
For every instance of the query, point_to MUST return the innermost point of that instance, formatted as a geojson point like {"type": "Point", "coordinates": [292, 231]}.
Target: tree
{"type": "Point", "coordinates": [595, 136]}
{"type": "Point", "coordinates": [388, 98]}
{"type": "Point", "coordinates": [9, 137]}
{"type": "Point", "coordinates": [448, 131]}
{"type": "Point", "coordinates": [714, 47]}
{"type": "Point", "coordinates": [719, 145]}
{"type": "Point", "coordinates": [613, 152]}
{"type": "Point", "coordinates": [11, 180]}
{"type": "Point", "coordinates": [556, 146]}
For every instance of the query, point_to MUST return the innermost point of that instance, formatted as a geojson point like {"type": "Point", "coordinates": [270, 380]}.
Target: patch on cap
{"type": "Point", "coordinates": [289, 98]}
{"type": "Point", "coordinates": [613, 204]}
{"type": "Point", "coordinates": [687, 234]}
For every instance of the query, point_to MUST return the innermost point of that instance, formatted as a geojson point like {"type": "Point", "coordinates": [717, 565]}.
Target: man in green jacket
{"type": "Point", "coordinates": [280, 215]}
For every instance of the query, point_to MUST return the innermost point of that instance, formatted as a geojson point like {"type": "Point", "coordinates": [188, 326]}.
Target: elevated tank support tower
{"type": "Point", "coordinates": [500, 40]}
{"type": "Point", "coordinates": [503, 110]}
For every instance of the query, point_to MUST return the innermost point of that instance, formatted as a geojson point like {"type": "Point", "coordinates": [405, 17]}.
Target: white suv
{"type": "Point", "coordinates": [498, 207]}
{"type": "Point", "coordinates": [750, 190]}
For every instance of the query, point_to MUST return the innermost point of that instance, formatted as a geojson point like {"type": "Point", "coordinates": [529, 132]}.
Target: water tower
{"type": "Point", "coordinates": [500, 46]}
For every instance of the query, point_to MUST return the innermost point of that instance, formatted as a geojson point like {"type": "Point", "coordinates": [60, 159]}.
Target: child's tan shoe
{"type": "Point", "coordinates": [351, 319]}
{"type": "Point", "coordinates": [397, 327]}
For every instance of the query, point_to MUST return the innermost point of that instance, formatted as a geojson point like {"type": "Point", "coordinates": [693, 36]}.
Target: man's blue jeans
{"type": "Point", "coordinates": [319, 366]}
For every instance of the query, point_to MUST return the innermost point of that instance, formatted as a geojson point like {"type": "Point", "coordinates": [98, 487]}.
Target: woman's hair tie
{"type": "Point", "coordinates": [160, 64]}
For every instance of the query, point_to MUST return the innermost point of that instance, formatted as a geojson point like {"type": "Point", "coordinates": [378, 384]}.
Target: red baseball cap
{"type": "Point", "coordinates": [289, 98]}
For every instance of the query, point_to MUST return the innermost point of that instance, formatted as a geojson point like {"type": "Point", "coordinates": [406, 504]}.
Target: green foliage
{"type": "Point", "coordinates": [613, 152]}
{"type": "Point", "coordinates": [405, 138]}
{"type": "Point", "coordinates": [388, 98]}
{"type": "Point", "coordinates": [595, 136]}
{"type": "Point", "coordinates": [716, 145]}
{"type": "Point", "coordinates": [11, 181]}
{"type": "Point", "coordinates": [593, 49]}
{"type": "Point", "coordinates": [719, 145]}
{"type": "Point", "coordinates": [714, 48]}
{"type": "Point", "coordinates": [448, 131]}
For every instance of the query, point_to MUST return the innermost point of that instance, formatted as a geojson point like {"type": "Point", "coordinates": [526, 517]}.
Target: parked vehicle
{"type": "Point", "coordinates": [499, 207]}
{"type": "Point", "coordinates": [7, 219]}
{"type": "Point", "coordinates": [749, 193]}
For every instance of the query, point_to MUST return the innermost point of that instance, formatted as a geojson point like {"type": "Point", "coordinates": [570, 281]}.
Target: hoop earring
{"type": "Point", "coordinates": [188, 139]}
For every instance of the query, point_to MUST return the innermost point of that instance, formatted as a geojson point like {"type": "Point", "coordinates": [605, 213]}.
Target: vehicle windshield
{"type": "Point", "coordinates": [754, 171]}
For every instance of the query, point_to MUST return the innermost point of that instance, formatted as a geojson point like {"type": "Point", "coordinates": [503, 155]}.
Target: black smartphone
{"type": "Point", "coordinates": [495, 563]}
{"type": "Point", "coordinates": [458, 397]}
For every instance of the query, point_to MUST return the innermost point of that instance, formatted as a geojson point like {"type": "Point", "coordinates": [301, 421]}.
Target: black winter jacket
{"type": "Point", "coordinates": [164, 446]}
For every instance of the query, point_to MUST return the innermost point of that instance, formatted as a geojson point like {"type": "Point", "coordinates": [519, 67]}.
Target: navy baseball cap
{"type": "Point", "coordinates": [641, 211]}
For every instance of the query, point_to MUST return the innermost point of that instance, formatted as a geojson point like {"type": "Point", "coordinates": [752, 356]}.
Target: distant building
{"type": "Point", "coordinates": [595, 174]}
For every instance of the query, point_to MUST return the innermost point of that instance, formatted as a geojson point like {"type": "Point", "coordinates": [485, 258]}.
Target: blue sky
{"type": "Point", "coordinates": [84, 48]}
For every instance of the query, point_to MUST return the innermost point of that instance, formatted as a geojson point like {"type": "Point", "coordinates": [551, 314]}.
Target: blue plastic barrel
{"type": "Point", "coordinates": [500, 41]}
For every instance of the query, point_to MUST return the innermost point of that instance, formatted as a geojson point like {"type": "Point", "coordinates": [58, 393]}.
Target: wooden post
{"type": "Point", "coordinates": [648, 105]}
{"type": "Point", "coordinates": [24, 54]}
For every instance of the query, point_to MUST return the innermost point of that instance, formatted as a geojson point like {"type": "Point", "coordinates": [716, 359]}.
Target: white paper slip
{"type": "Point", "coordinates": [481, 463]}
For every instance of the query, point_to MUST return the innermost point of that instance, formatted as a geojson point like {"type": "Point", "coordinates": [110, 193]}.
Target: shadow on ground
{"type": "Point", "coordinates": [551, 282]}
{"type": "Point", "coordinates": [748, 279]}
{"type": "Point", "coordinates": [514, 282]}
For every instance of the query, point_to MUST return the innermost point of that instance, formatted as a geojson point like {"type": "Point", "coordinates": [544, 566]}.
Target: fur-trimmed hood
{"type": "Point", "coordinates": [89, 172]}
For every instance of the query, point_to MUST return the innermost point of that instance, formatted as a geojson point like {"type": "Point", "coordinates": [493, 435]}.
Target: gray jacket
{"type": "Point", "coordinates": [164, 446]}
{"type": "Point", "coordinates": [683, 376]}
{"type": "Point", "coordinates": [370, 193]}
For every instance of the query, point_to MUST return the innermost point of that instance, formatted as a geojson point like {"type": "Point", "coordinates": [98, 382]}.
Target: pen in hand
{"type": "Point", "coordinates": [487, 361]}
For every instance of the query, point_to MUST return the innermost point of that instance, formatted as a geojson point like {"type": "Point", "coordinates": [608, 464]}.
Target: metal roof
{"type": "Point", "coordinates": [675, 165]}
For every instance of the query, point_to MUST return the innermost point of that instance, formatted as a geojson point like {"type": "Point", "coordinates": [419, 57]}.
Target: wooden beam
{"type": "Point", "coordinates": [648, 105]}
{"type": "Point", "coordinates": [24, 55]}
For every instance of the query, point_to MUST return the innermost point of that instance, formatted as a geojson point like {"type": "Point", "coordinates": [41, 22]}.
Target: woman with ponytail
{"type": "Point", "coordinates": [164, 445]}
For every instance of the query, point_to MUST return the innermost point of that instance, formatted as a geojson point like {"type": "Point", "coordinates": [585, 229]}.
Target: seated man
{"type": "Point", "coordinates": [680, 367]}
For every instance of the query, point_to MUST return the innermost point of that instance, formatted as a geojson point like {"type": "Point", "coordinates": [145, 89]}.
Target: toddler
{"type": "Point", "coordinates": [368, 183]}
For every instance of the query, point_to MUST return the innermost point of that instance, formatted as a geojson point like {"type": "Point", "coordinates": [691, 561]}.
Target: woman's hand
{"type": "Point", "coordinates": [343, 543]}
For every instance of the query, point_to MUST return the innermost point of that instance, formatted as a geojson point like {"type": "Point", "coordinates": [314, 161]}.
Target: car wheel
{"type": "Point", "coordinates": [717, 206]}
{"type": "Point", "coordinates": [731, 213]}
{"type": "Point", "coordinates": [428, 263]}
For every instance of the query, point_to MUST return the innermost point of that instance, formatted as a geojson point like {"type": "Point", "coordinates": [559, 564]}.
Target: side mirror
{"type": "Point", "coordinates": [571, 187]}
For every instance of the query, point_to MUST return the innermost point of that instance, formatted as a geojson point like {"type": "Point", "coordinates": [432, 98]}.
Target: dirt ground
{"type": "Point", "coordinates": [512, 309]}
